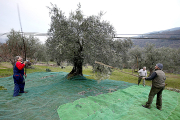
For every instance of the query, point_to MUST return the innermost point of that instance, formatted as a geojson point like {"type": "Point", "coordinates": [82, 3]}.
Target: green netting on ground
{"type": "Point", "coordinates": [46, 92]}
{"type": "Point", "coordinates": [124, 104]}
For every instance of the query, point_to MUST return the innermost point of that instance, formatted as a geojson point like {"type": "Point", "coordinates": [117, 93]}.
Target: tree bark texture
{"type": "Point", "coordinates": [150, 71]}
{"type": "Point", "coordinates": [78, 63]}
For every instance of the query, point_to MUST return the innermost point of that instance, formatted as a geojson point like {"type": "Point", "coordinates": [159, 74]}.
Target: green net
{"type": "Point", "coordinates": [46, 92]}
{"type": "Point", "coordinates": [51, 97]}
{"type": "Point", "coordinates": [124, 104]}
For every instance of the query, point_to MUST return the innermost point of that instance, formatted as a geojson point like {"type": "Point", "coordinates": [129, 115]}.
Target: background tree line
{"type": "Point", "coordinates": [150, 55]}
{"type": "Point", "coordinates": [35, 51]}
{"type": "Point", "coordinates": [122, 54]}
{"type": "Point", "coordinates": [81, 40]}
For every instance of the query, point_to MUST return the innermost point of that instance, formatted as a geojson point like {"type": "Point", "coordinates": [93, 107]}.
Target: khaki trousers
{"type": "Point", "coordinates": [139, 80]}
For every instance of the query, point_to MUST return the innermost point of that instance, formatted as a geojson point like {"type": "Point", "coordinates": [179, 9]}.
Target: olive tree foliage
{"type": "Point", "coordinates": [32, 46]}
{"type": "Point", "coordinates": [79, 39]}
{"type": "Point", "coordinates": [152, 57]}
{"type": "Point", "coordinates": [177, 60]}
{"type": "Point", "coordinates": [35, 49]}
{"type": "Point", "coordinates": [170, 57]}
{"type": "Point", "coordinates": [117, 57]}
{"type": "Point", "coordinates": [136, 57]}
{"type": "Point", "coordinates": [14, 46]}
{"type": "Point", "coordinates": [149, 56]}
{"type": "Point", "coordinates": [41, 53]}
{"type": "Point", "coordinates": [120, 48]}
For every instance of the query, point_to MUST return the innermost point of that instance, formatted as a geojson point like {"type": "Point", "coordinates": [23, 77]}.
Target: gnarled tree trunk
{"type": "Point", "coordinates": [78, 63]}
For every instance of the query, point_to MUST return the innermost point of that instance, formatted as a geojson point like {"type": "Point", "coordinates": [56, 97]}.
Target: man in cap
{"type": "Point", "coordinates": [158, 83]}
{"type": "Point", "coordinates": [19, 82]}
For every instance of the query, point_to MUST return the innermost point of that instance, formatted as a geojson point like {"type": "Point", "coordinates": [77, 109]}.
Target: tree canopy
{"type": "Point", "coordinates": [81, 39]}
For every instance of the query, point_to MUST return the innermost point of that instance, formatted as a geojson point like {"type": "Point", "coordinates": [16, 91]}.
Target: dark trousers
{"type": "Point", "coordinates": [19, 84]}
{"type": "Point", "coordinates": [152, 93]}
{"type": "Point", "coordinates": [18, 88]}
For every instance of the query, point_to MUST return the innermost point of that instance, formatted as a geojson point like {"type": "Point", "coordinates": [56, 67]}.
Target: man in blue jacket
{"type": "Point", "coordinates": [18, 76]}
{"type": "Point", "coordinates": [158, 83]}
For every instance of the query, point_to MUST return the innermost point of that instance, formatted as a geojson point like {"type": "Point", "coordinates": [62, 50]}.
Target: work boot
{"type": "Point", "coordinates": [23, 92]}
{"type": "Point", "coordinates": [17, 96]}
{"type": "Point", "coordinates": [159, 108]}
{"type": "Point", "coordinates": [146, 106]}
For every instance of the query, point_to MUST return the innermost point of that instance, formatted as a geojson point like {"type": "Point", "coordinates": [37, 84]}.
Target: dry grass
{"type": "Point", "coordinates": [5, 65]}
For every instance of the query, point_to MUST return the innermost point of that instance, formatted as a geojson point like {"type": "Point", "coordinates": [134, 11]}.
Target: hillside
{"type": "Point", "coordinates": [166, 38]}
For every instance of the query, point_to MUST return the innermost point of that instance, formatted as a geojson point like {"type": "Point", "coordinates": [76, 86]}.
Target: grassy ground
{"type": "Point", "coordinates": [5, 69]}
{"type": "Point", "coordinates": [172, 80]}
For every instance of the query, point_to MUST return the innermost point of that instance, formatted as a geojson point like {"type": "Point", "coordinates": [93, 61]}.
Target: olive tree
{"type": "Point", "coordinates": [79, 39]}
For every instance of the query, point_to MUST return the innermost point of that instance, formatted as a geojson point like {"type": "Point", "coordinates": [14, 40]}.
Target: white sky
{"type": "Point", "coordinates": [127, 16]}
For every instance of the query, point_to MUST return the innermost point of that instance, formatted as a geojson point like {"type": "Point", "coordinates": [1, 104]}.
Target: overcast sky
{"type": "Point", "coordinates": [127, 16]}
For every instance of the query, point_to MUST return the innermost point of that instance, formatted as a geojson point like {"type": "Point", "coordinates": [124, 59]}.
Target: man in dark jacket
{"type": "Point", "coordinates": [158, 83]}
{"type": "Point", "coordinates": [19, 82]}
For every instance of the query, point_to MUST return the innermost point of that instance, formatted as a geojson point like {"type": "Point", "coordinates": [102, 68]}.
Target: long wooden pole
{"type": "Point", "coordinates": [22, 38]}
